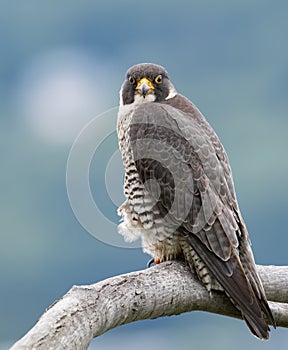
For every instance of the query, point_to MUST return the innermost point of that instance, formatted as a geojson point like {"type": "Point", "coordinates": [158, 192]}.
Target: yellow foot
{"type": "Point", "coordinates": [155, 261]}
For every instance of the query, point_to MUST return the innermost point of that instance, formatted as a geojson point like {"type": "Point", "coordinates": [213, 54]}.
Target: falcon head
{"type": "Point", "coordinates": [146, 82]}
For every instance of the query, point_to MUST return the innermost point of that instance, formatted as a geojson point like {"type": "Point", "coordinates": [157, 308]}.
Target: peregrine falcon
{"type": "Point", "coordinates": [180, 196]}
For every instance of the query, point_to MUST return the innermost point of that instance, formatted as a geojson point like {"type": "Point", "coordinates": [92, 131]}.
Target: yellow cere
{"type": "Point", "coordinates": [146, 81]}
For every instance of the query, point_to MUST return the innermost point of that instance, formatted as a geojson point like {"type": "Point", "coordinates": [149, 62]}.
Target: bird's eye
{"type": "Point", "coordinates": [132, 80]}
{"type": "Point", "coordinates": [158, 79]}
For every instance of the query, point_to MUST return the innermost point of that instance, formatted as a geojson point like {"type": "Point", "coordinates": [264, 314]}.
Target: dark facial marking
{"type": "Point", "coordinates": [155, 73]}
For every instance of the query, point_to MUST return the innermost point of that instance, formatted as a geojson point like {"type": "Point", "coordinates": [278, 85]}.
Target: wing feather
{"type": "Point", "coordinates": [199, 189]}
{"type": "Point", "coordinates": [184, 155]}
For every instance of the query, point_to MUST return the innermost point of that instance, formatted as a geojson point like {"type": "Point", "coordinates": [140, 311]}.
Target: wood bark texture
{"type": "Point", "coordinates": [86, 312]}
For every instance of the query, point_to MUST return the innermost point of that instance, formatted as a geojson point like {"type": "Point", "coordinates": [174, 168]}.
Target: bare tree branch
{"type": "Point", "coordinates": [86, 312]}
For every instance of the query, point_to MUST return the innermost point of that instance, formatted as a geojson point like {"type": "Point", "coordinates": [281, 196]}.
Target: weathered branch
{"type": "Point", "coordinates": [86, 312]}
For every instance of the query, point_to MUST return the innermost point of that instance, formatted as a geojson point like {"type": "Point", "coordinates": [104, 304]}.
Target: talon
{"type": "Point", "coordinates": [152, 261]}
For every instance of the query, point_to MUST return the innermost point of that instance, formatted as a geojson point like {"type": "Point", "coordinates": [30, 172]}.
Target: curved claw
{"type": "Point", "coordinates": [155, 261]}
{"type": "Point", "coordinates": [150, 262]}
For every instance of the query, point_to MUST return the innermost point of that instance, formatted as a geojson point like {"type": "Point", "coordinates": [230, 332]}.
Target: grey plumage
{"type": "Point", "coordinates": [180, 194]}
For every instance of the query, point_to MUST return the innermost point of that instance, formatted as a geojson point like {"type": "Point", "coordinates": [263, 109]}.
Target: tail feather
{"type": "Point", "coordinates": [260, 331]}
{"type": "Point", "coordinates": [232, 278]}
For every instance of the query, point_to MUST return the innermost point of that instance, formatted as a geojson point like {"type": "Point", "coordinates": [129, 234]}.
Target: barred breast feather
{"type": "Point", "coordinates": [181, 201]}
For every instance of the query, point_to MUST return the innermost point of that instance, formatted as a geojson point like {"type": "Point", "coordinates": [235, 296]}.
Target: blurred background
{"type": "Point", "coordinates": [61, 65]}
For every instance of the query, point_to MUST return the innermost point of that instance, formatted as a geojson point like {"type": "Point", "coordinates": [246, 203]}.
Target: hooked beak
{"type": "Point", "coordinates": [145, 87]}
